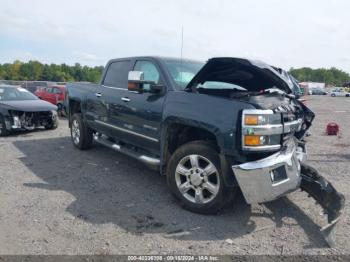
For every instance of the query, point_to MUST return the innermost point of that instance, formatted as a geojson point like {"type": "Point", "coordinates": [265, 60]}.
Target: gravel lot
{"type": "Point", "coordinates": [55, 199]}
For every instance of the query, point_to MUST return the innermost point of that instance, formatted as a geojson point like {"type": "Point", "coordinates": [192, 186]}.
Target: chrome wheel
{"type": "Point", "coordinates": [75, 132]}
{"type": "Point", "coordinates": [197, 179]}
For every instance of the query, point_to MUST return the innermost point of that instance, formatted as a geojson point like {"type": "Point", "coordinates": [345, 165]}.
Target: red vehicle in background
{"type": "Point", "coordinates": [54, 94]}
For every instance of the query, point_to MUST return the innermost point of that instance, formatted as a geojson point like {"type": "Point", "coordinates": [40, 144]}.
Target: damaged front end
{"type": "Point", "coordinates": [283, 172]}
{"type": "Point", "coordinates": [280, 131]}
{"type": "Point", "coordinates": [326, 196]}
{"type": "Point", "coordinates": [19, 120]}
{"type": "Point", "coordinates": [271, 135]}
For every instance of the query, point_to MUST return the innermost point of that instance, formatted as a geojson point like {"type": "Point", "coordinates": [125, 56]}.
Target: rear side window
{"type": "Point", "coordinates": [117, 74]}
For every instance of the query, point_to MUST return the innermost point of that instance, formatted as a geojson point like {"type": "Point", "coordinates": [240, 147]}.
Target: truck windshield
{"type": "Point", "coordinates": [15, 94]}
{"type": "Point", "coordinates": [182, 72]}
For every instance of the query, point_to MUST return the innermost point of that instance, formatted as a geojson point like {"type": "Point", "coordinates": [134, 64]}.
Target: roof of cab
{"type": "Point", "coordinates": [159, 58]}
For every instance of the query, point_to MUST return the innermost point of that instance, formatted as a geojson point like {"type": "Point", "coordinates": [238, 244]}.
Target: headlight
{"type": "Point", "coordinates": [255, 120]}
{"type": "Point", "coordinates": [261, 130]}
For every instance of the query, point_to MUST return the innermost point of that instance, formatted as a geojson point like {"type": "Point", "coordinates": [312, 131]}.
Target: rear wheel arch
{"type": "Point", "coordinates": [74, 108]}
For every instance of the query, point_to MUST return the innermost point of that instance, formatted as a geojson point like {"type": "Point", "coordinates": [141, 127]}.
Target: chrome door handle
{"type": "Point", "coordinates": [98, 94]}
{"type": "Point", "coordinates": [125, 99]}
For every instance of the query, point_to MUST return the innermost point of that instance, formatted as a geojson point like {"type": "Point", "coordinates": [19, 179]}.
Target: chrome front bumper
{"type": "Point", "coordinates": [272, 177]}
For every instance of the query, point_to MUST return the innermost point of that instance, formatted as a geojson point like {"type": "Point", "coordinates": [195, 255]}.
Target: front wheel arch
{"type": "Point", "coordinates": [173, 127]}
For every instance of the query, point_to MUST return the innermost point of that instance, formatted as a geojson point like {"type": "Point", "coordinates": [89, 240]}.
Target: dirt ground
{"type": "Point", "coordinates": [55, 199]}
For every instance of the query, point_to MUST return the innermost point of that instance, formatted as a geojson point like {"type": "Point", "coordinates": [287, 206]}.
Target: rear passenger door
{"type": "Point", "coordinates": [108, 98]}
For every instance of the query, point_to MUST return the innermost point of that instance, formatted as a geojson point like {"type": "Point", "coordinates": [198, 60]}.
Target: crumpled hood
{"type": "Point", "coordinates": [28, 105]}
{"type": "Point", "coordinates": [252, 75]}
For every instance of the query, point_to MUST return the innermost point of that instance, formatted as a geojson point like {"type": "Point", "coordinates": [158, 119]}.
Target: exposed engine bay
{"type": "Point", "coordinates": [31, 120]}
{"type": "Point", "coordinates": [279, 121]}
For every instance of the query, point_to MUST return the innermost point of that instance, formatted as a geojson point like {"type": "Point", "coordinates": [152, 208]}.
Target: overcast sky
{"type": "Point", "coordinates": [288, 33]}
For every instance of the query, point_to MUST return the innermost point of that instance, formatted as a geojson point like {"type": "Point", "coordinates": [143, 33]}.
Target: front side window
{"type": "Point", "coordinates": [182, 72]}
{"type": "Point", "coordinates": [150, 72]}
{"type": "Point", "coordinates": [117, 74]}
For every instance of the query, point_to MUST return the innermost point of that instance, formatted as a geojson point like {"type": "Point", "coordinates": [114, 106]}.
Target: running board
{"type": "Point", "coordinates": [143, 158]}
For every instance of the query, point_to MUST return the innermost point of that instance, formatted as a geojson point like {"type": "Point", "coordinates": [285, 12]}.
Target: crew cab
{"type": "Point", "coordinates": [211, 128]}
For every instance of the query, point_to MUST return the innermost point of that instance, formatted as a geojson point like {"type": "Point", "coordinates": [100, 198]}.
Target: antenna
{"type": "Point", "coordinates": [182, 45]}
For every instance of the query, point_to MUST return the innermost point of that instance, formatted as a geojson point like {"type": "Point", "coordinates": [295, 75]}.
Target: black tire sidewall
{"type": "Point", "coordinates": [206, 150]}
{"type": "Point", "coordinates": [85, 139]}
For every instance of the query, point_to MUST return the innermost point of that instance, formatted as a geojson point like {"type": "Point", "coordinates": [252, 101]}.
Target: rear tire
{"type": "Point", "coordinates": [3, 130]}
{"type": "Point", "coordinates": [81, 134]}
{"type": "Point", "coordinates": [195, 178]}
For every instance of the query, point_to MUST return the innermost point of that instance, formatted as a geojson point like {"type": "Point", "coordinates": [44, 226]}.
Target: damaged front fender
{"type": "Point", "coordinates": [326, 196]}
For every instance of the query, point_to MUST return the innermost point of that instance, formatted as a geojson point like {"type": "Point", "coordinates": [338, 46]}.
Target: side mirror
{"type": "Point", "coordinates": [136, 81]}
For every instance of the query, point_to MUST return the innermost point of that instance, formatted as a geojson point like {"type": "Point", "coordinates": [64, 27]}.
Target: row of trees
{"type": "Point", "coordinates": [34, 70]}
{"type": "Point", "coordinates": [332, 76]}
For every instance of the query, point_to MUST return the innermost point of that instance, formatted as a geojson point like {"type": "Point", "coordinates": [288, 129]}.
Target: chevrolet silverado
{"type": "Point", "coordinates": [212, 128]}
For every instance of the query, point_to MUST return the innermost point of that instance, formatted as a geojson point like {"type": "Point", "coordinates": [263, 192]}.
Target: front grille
{"type": "Point", "coordinates": [289, 113]}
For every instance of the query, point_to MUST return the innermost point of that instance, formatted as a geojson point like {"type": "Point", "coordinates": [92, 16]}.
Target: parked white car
{"type": "Point", "coordinates": [339, 92]}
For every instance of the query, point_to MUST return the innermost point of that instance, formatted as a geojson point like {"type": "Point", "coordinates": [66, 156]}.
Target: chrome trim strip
{"type": "Point", "coordinates": [127, 131]}
{"type": "Point", "coordinates": [143, 158]}
{"type": "Point", "coordinates": [263, 130]}
{"type": "Point", "coordinates": [125, 99]}
{"type": "Point", "coordinates": [257, 112]}
{"type": "Point", "coordinates": [116, 88]}
{"type": "Point", "coordinates": [262, 148]}
{"type": "Point", "coordinates": [149, 160]}
{"type": "Point", "coordinates": [278, 129]}
{"type": "Point", "coordinates": [293, 125]}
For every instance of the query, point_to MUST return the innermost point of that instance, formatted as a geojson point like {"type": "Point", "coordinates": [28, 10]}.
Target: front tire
{"type": "Point", "coordinates": [81, 134]}
{"type": "Point", "coordinates": [195, 178]}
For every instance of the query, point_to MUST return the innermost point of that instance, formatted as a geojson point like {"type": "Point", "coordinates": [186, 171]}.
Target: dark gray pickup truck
{"type": "Point", "coordinates": [211, 128]}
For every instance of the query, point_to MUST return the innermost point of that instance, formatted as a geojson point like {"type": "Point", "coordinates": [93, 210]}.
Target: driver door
{"type": "Point", "coordinates": [141, 112]}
